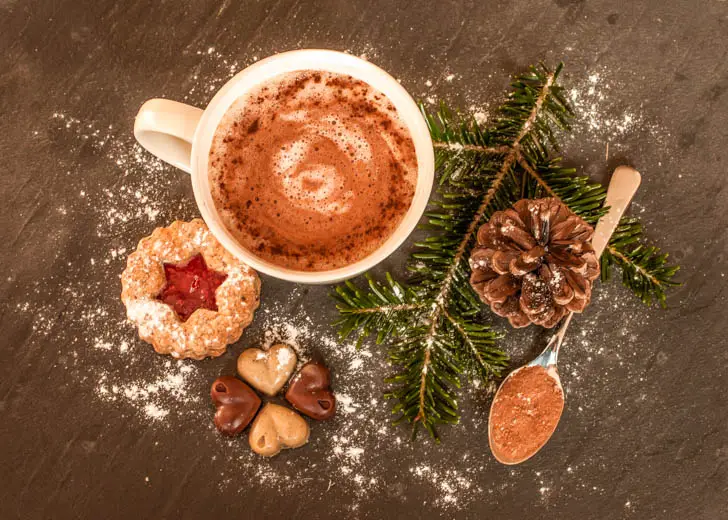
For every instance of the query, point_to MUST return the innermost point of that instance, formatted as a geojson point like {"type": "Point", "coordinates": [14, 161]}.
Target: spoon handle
{"type": "Point", "coordinates": [622, 187]}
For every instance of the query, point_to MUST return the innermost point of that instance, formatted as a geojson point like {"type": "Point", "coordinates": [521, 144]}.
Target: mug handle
{"type": "Point", "coordinates": [166, 129]}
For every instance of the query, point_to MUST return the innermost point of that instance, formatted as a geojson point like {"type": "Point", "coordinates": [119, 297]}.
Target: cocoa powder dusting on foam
{"type": "Point", "coordinates": [312, 170]}
{"type": "Point", "coordinates": [524, 414]}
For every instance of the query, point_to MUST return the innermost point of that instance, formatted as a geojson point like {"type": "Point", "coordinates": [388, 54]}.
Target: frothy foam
{"type": "Point", "coordinates": [312, 170]}
{"type": "Point", "coordinates": [313, 189]}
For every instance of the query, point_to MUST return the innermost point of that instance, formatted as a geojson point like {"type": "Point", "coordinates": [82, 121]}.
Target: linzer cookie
{"type": "Point", "coordinates": [187, 295]}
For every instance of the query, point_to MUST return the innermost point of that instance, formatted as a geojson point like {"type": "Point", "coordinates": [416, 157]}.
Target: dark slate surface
{"type": "Point", "coordinates": [651, 439]}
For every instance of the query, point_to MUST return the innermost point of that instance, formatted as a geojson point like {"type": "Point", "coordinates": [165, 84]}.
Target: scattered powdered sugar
{"type": "Point", "coordinates": [480, 114]}
{"type": "Point", "coordinates": [603, 123]}
{"type": "Point", "coordinates": [451, 482]}
{"type": "Point", "coordinates": [603, 120]}
{"type": "Point", "coordinates": [355, 356]}
{"type": "Point", "coordinates": [602, 358]}
{"type": "Point", "coordinates": [588, 99]}
{"type": "Point", "coordinates": [103, 345]}
{"type": "Point", "coordinates": [346, 403]}
{"type": "Point", "coordinates": [153, 395]}
{"type": "Point", "coordinates": [349, 442]}
{"type": "Point", "coordinates": [155, 412]}
{"type": "Point", "coordinates": [284, 332]}
{"type": "Point", "coordinates": [135, 198]}
{"type": "Point", "coordinates": [358, 454]}
{"type": "Point", "coordinates": [283, 356]}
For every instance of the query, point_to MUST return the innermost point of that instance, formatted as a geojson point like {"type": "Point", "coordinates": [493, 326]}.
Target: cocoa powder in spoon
{"type": "Point", "coordinates": [524, 414]}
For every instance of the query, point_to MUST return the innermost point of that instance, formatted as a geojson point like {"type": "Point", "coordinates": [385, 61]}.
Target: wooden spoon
{"type": "Point", "coordinates": [622, 187]}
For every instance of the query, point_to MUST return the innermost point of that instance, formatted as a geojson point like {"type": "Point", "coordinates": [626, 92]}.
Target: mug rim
{"type": "Point", "coordinates": [330, 61]}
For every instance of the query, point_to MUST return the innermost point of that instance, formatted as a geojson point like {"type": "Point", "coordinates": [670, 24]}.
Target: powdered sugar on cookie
{"type": "Point", "coordinates": [206, 332]}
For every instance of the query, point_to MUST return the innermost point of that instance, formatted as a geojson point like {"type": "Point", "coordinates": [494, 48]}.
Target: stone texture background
{"type": "Point", "coordinates": [652, 439]}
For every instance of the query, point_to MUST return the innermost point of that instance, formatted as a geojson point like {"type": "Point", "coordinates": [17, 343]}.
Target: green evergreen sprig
{"type": "Point", "coordinates": [435, 321]}
{"type": "Point", "coordinates": [645, 269]}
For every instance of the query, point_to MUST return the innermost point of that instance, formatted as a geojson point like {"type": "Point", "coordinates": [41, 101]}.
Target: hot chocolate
{"type": "Point", "coordinates": [312, 170]}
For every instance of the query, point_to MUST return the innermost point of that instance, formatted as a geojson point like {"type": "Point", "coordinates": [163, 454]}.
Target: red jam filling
{"type": "Point", "coordinates": [190, 286]}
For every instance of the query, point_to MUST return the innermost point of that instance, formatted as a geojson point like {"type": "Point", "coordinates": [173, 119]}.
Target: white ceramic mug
{"type": "Point", "coordinates": [182, 135]}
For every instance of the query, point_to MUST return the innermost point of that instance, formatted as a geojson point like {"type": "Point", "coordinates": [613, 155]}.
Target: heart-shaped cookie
{"type": "Point", "coordinates": [267, 370]}
{"type": "Point", "coordinates": [309, 392]}
{"type": "Point", "coordinates": [236, 404]}
{"type": "Point", "coordinates": [277, 428]}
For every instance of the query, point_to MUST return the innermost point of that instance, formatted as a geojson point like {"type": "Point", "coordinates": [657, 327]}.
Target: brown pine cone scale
{"type": "Point", "coordinates": [534, 262]}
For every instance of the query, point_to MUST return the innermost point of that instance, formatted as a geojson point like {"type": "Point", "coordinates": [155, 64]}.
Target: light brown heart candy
{"type": "Point", "coordinates": [267, 370]}
{"type": "Point", "coordinates": [277, 428]}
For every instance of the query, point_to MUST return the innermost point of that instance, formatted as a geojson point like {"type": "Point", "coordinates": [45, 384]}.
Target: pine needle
{"type": "Point", "coordinates": [434, 322]}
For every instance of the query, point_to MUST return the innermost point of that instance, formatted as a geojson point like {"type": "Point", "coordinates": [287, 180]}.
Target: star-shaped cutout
{"type": "Point", "coordinates": [190, 286]}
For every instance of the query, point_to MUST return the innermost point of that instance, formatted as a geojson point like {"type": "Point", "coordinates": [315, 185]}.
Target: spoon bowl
{"type": "Point", "coordinates": [549, 399]}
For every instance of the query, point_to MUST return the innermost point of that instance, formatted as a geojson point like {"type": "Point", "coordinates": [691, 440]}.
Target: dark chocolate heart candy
{"type": "Point", "coordinates": [236, 404]}
{"type": "Point", "coordinates": [309, 392]}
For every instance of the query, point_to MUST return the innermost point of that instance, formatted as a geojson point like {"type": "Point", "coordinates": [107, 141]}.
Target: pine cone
{"type": "Point", "coordinates": [534, 262]}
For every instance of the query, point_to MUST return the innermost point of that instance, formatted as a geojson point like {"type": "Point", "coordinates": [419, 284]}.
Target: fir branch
{"type": "Point", "coordinates": [435, 330]}
{"type": "Point", "coordinates": [645, 269]}
{"type": "Point", "coordinates": [456, 147]}
{"type": "Point", "coordinates": [487, 360]}
{"type": "Point", "coordinates": [584, 197]}
{"type": "Point", "coordinates": [378, 310]}
{"type": "Point", "coordinates": [434, 320]}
